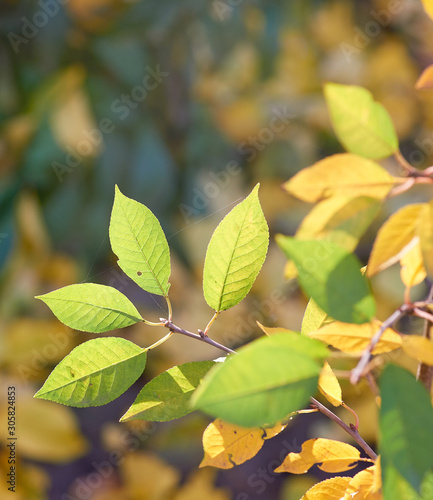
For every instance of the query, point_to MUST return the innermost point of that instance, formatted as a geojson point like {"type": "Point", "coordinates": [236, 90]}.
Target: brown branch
{"type": "Point", "coordinates": [425, 372]}
{"type": "Point", "coordinates": [350, 430]}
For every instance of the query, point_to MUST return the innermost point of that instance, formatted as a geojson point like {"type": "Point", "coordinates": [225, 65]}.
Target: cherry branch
{"type": "Point", "coordinates": [350, 430]}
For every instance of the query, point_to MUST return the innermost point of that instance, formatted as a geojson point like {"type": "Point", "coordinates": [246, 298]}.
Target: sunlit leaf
{"type": "Point", "coordinates": [94, 373]}
{"type": "Point", "coordinates": [139, 242]}
{"type": "Point", "coordinates": [226, 445]}
{"type": "Point", "coordinates": [270, 432]}
{"type": "Point", "coordinates": [341, 175]}
{"type": "Point", "coordinates": [419, 348]}
{"type": "Point", "coordinates": [362, 486]}
{"type": "Point", "coordinates": [91, 308]}
{"type": "Point", "coordinates": [353, 338]}
{"type": "Point", "coordinates": [268, 379]}
{"type": "Point", "coordinates": [199, 485]}
{"type": "Point", "coordinates": [313, 319]}
{"type": "Point", "coordinates": [329, 385]}
{"type": "Point", "coordinates": [363, 126]}
{"type": "Point", "coordinates": [406, 420]}
{"type": "Point", "coordinates": [425, 81]}
{"type": "Point", "coordinates": [330, 455]}
{"type": "Point", "coordinates": [331, 489]}
{"type": "Point", "coordinates": [424, 230]}
{"type": "Point", "coordinates": [235, 254]}
{"type": "Point", "coordinates": [394, 238]}
{"type": "Point", "coordinates": [167, 396]}
{"type": "Point", "coordinates": [331, 276]}
{"type": "Point", "coordinates": [412, 270]}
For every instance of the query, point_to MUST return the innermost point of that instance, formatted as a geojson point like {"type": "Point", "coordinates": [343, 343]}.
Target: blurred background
{"type": "Point", "coordinates": [186, 106]}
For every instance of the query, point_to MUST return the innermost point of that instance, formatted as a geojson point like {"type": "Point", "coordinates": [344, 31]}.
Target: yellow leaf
{"type": "Point", "coordinates": [330, 489]}
{"type": "Point", "coordinates": [333, 456]}
{"type": "Point", "coordinates": [377, 482]}
{"type": "Point", "coordinates": [314, 318]}
{"type": "Point", "coordinates": [270, 432]}
{"type": "Point", "coordinates": [425, 81]}
{"type": "Point", "coordinates": [428, 6]}
{"type": "Point", "coordinates": [201, 486]}
{"type": "Point", "coordinates": [269, 330]}
{"type": "Point", "coordinates": [341, 174]}
{"type": "Point", "coordinates": [362, 486]}
{"type": "Point", "coordinates": [226, 445]}
{"type": "Point", "coordinates": [145, 475]}
{"type": "Point", "coordinates": [424, 230]}
{"type": "Point", "coordinates": [419, 348]}
{"type": "Point", "coordinates": [39, 441]}
{"type": "Point", "coordinates": [329, 385]}
{"type": "Point", "coordinates": [353, 338]}
{"type": "Point", "coordinates": [394, 238]}
{"type": "Point", "coordinates": [412, 270]}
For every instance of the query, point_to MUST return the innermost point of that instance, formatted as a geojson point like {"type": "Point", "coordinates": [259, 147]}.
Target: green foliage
{"type": "Point", "coordinates": [267, 380]}
{"type": "Point", "coordinates": [363, 126]}
{"type": "Point", "coordinates": [332, 277]}
{"type": "Point", "coordinates": [138, 241]}
{"type": "Point", "coordinates": [405, 414]}
{"type": "Point", "coordinates": [95, 373]}
{"type": "Point", "coordinates": [235, 254]}
{"type": "Point", "coordinates": [91, 308]}
{"type": "Point", "coordinates": [167, 396]}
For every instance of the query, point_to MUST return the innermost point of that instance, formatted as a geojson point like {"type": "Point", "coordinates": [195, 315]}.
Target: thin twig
{"type": "Point", "coordinates": [425, 372]}
{"type": "Point", "coordinates": [404, 163]}
{"type": "Point", "coordinates": [358, 371]}
{"type": "Point", "coordinates": [350, 430]}
{"type": "Point", "coordinates": [203, 338]}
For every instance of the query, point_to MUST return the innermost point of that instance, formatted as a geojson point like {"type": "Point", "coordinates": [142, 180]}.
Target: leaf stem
{"type": "Point", "coordinates": [214, 317]}
{"type": "Point", "coordinates": [160, 341]}
{"type": "Point", "coordinates": [358, 371]}
{"type": "Point", "coordinates": [203, 338]}
{"type": "Point", "coordinates": [151, 323]}
{"type": "Point", "coordinates": [350, 430]}
{"type": "Point", "coordinates": [404, 163]}
{"type": "Point", "coordinates": [170, 309]}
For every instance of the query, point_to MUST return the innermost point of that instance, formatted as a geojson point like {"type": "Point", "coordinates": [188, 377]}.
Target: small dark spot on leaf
{"type": "Point", "coordinates": [139, 273]}
{"type": "Point", "coordinates": [235, 432]}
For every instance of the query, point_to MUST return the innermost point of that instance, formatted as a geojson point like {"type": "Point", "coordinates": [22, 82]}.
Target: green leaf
{"type": "Point", "coordinates": [235, 254]}
{"type": "Point", "coordinates": [139, 242]}
{"type": "Point", "coordinates": [91, 308]}
{"type": "Point", "coordinates": [332, 277]}
{"type": "Point", "coordinates": [406, 423]}
{"type": "Point", "coordinates": [363, 126]}
{"type": "Point", "coordinates": [167, 396]}
{"type": "Point", "coordinates": [94, 373]}
{"type": "Point", "coordinates": [396, 487]}
{"type": "Point", "coordinates": [268, 379]}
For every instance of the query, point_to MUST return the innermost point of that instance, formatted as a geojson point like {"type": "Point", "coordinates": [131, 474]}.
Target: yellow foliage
{"type": "Point", "coordinates": [394, 238]}
{"type": "Point", "coordinates": [412, 270]}
{"type": "Point", "coordinates": [329, 385]}
{"type": "Point", "coordinates": [331, 489]}
{"type": "Point", "coordinates": [226, 445]}
{"type": "Point", "coordinates": [428, 6]}
{"type": "Point", "coordinates": [362, 486]}
{"type": "Point", "coordinates": [419, 348]}
{"type": "Point", "coordinates": [425, 81]}
{"type": "Point", "coordinates": [341, 174]}
{"type": "Point", "coordinates": [351, 338]}
{"type": "Point", "coordinates": [200, 485]}
{"type": "Point", "coordinates": [330, 455]}
{"type": "Point", "coordinates": [425, 232]}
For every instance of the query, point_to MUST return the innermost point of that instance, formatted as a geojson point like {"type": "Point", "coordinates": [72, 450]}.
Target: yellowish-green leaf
{"type": "Point", "coordinates": [341, 174]}
{"type": "Point", "coordinates": [363, 126]}
{"type": "Point", "coordinates": [139, 242]}
{"type": "Point", "coordinates": [270, 432]}
{"type": "Point", "coordinates": [428, 6]}
{"type": "Point", "coordinates": [330, 489]}
{"type": "Point", "coordinates": [330, 455]}
{"type": "Point", "coordinates": [236, 253]}
{"type": "Point", "coordinates": [352, 338]}
{"type": "Point", "coordinates": [226, 445]}
{"type": "Point", "coordinates": [314, 318]}
{"type": "Point", "coordinates": [412, 270]}
{"type": "Point", "coordinates": [425, 81]}
{"type": "Point", "coordinates": [269, 330]}
{"type": "Point", "coordinates": [329, 385]}
{"type": "Point", "coordinates": [424, 230]}
{"type": "Point", "coordinates": [419, 348]}
{"type": "Point", "coordinates": [362, 486]}
{"type": "Point", "coordinates": [394, 238]}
